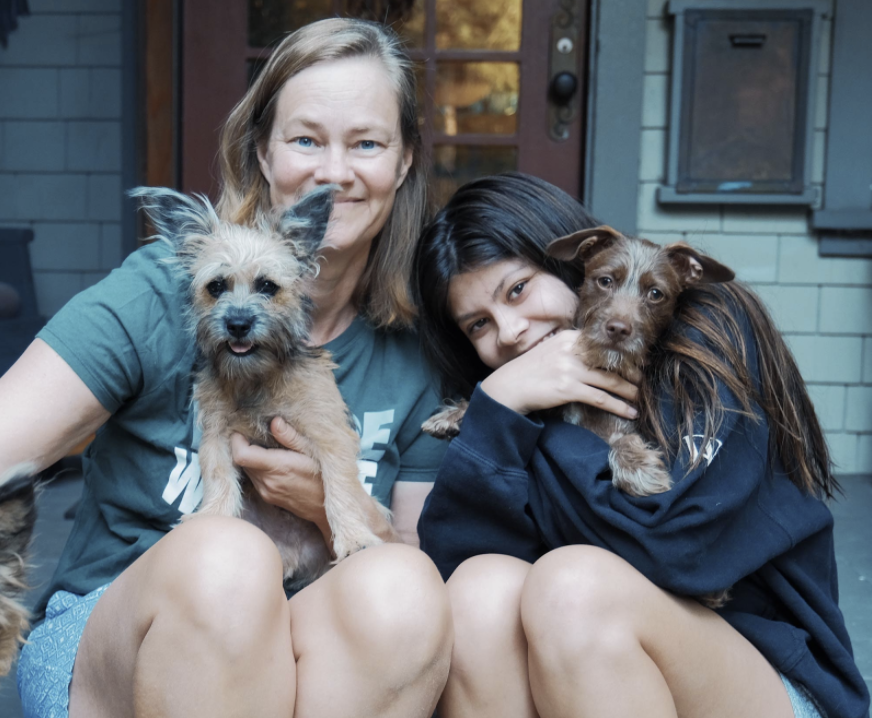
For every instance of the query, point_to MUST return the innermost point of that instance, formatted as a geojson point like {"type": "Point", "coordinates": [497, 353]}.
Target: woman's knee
{"type": "Point", "coordinates": [391, 597]}
{"type": "Point", "coordinates": [217, 569]}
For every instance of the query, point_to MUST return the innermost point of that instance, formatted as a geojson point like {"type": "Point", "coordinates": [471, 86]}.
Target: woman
{"type": "Point", "coordinates": [569, 597]}
{"type": "Point", "coordinates": [194, 621]}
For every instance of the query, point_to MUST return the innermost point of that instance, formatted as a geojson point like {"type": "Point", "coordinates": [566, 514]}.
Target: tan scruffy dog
{"type": "Point", "coordinates": [627, 300]}
{"type": "Point", "coordinates": [17, 518]}
{"type": "Point", "coordinates": [250, 314]}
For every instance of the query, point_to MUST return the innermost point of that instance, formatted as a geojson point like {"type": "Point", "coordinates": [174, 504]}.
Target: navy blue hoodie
{"type": "Point", "coordinates": [516, 485]}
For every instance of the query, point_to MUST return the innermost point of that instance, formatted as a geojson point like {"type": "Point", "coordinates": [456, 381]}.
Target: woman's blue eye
{"type": "Point", "coordinates": [367, 144]}
{"type": "Point", "coordinates": [304, 141]}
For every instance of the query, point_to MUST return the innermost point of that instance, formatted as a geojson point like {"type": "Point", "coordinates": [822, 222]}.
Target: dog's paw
{"type": "Point", "coordinates": [715, 599]}
{"type": "Point", "coordinates": [637, 468]}
{"type": "Point", "coordinates": [344, 545]}
{"type": "Point", "coordinates": [445, 424]}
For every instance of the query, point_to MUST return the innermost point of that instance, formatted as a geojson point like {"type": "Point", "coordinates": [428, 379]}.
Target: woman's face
{"type": "Point", "coordinates": [508, 307]}
{"type": "Point", "coordinates": [338, 122]}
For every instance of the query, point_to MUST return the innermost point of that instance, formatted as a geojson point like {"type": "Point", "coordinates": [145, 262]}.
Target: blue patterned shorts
{"type": "Point", "coordinates": [804, 705]}
{"type": "Point", "coordinates": [45, 667]}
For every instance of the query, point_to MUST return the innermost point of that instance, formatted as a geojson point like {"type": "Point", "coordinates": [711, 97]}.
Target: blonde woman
{"type": "Point", "coordinates": [194, 621]}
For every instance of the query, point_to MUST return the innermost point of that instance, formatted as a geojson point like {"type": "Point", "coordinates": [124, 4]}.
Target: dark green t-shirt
{"type": "Point", "coordinates": [127, 340]}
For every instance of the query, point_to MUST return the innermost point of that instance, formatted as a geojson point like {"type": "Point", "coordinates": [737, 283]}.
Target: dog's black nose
{"type": "Point", "coordinates": [238, 327]}
{"type": "Point", "coordinates": [618, 330]}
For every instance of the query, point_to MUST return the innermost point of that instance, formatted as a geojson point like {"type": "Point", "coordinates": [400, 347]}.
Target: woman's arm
{"type": "Point", "coordinates": [47, 409]}
{"type": "Point", "coordinates": [407, 502]}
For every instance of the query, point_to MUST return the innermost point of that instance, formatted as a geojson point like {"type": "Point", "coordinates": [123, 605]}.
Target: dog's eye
{"type": "Point", "coordinates": [655, 295]}
{"type": "Point", "coordinates": [266, 286]}
{"type": "Point", "coordinates": [604, 282]}
{"type": "Point", "coordinates": [216, 287]}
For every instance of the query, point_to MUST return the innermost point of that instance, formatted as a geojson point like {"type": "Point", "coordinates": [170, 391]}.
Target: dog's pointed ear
{"type": "Point", "coordinates": [582, 245]}
{"type": "Point", "coordinates": [176, 216]}
{"type": "Point", "coordinates": [693, 267]}
{"type": "Point", "coordinates": [305, 223]}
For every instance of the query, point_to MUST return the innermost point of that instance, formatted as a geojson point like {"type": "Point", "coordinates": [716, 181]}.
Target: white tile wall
{"type": "Point", "coordinates": [60, 142]}
{"type": "Point", "coordinates": [824, 305]}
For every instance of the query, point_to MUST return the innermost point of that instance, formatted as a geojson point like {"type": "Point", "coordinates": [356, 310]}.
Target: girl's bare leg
{"type": "Point", "coordinates": [605, 641]}
{"type": "Point", "coordinates": [373, 637]}
{"type": "Point", "coordinates": [488, 675]}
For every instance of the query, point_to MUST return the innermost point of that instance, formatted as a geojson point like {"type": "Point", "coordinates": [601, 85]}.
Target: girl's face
{"type": "Point", "coordinates": [339, 122]}
{"type": "Point", "coordinates": [508, 307]}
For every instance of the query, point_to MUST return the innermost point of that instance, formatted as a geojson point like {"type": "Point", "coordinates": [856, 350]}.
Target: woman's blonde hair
{"type": "Point", "coordinates": [383, 292]}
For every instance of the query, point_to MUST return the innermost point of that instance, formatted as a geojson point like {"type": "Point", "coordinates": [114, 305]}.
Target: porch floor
{"type": "Point", "coordinates": [853, 514]}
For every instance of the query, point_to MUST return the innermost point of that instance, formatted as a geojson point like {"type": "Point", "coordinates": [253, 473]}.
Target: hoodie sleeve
{"type": "Point", "coordinates": [478, 503]}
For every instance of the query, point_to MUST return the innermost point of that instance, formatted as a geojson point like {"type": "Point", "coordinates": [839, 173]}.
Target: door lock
{"type": "Point", "coordinates": [563, 85]}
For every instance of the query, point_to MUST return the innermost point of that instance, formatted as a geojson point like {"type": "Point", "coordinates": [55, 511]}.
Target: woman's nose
{"type": "Point", "coordinates": [334, 167]}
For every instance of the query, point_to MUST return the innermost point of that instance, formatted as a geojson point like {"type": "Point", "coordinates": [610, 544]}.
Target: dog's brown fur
{"type": "Point", "coordinates": [248, 291]}
{"type": "Point", "coordinates": [17, 518]}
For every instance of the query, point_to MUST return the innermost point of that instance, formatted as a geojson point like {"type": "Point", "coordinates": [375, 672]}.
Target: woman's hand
{"type": "Point", "coordinates": [552, 374]}
{"type": "Point", "coordinates": [284, 477]}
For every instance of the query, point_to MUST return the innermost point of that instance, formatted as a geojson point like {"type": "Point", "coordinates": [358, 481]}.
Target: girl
{"type": "Point", "coordinates": [569, 597]}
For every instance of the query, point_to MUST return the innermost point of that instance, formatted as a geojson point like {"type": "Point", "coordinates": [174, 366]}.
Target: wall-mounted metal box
{"type": "Point", "coordinates": [742, 107]}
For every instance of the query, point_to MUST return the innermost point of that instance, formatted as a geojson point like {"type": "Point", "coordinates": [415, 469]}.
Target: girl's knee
{"type": "Point", "coordinates": [577, 601]}
{"type": "Point", "coordinates": [485, 594]}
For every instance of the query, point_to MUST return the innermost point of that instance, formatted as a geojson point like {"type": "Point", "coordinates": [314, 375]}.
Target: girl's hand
{"type": "Point", "coordinates": [284, 477]}
{"type": "Point", "coordinates": [552, 374]}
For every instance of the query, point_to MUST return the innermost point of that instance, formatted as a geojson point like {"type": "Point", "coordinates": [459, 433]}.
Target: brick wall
{"type": "Point", "coordinates": [60, 142]}
{"type": "Point", "coordinates": [823, 305]}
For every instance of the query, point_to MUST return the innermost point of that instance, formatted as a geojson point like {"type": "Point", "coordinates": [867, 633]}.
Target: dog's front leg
{"type": "Point", "coordinates": [222, 493]}
{"type": "Point", "coordinates": [637, 468]}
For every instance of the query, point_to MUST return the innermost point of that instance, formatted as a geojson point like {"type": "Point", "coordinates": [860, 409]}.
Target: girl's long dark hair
{"type": "Point", "coordinates": [689, 371]}
{"type": "Point", "coordinates": [515, 216]}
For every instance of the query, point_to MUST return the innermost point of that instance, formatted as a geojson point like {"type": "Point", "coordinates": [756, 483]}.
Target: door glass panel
{"type": "Point", "coordinates": [476, 97]}
{"type": "Point", "coordinates": [269, 20]}
{"type": "Point", "coordinates": [405, 17]}
{"type": "Point", "coordinates": [455, 165]}
{"type": "Point", "coordinates": [478, 24]}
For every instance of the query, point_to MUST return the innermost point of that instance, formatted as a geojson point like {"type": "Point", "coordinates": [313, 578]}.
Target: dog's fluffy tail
{"type": "Point", "coordinates": [17, 518]}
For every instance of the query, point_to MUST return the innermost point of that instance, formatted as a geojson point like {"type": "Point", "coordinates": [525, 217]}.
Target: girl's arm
{"type": "Point", "coordinates": [47, 409]}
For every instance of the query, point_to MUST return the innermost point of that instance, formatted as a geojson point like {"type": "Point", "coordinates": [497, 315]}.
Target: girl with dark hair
{"type": "Point", "coordinates": [570, 597]}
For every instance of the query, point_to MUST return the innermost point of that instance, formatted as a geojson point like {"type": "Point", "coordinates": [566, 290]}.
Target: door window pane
{"type": "Point", "coordinates": [478, 24]}
{"type": "Point", "coordinates": [476, 97]}
{"type": "Point", "coordinates": [405, 17]}
{"type": "Point", "coordinates": [455, 165]}
{"type": "Point", "coordinates": [269, 20]}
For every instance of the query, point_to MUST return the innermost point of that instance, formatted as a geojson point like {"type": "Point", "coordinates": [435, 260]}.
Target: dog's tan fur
{"type": "Point", "coordinates": [262, 274]}
{"type": "Point", "coordinates": [17, 518]}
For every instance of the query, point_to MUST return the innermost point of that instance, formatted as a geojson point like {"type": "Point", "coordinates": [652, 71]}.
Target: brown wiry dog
{"type": "Point", "coordinates": [17, 518]}
{"type": "Point", "coordinates": [250, 313]}
{"type": "Point", "coordinates": [627, 300]}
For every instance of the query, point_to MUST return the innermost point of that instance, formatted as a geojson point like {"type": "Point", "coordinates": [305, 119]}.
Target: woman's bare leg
{"type": "Point", "coordinates": [604, 641]}
{"type": "Point", "coordinates": [488, 675]}
{"type": "Point", "coordinates": [372, 637]}
{"type": "Point", "coordinates": [198, 626]}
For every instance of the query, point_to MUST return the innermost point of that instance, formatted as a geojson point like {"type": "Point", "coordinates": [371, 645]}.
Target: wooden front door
{"type": "Point", "coordinates": [486, 69]}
